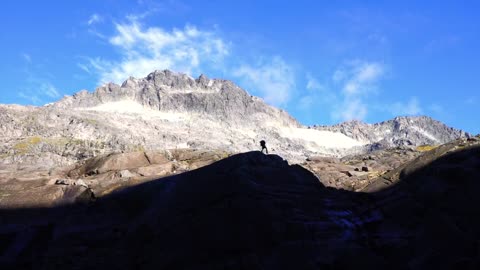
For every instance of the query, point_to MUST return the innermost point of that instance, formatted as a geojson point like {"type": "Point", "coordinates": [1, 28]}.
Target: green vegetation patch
{"type": "Point", "coordinates": [24, 146]}
{"type": "Point", "coordinates": [91, 121]}
{"type": "Point", "coordinates": [4, 155]}
{"type": "Point", "coordinates": [426, 148]}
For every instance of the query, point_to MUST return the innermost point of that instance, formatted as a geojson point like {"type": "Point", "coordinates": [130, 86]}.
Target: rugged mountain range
{"type": "Point", "coordinates": [166, 91]}
{"type": "Point", "coordinates": [168, 110]}
{"type": "Point", "coordinates": [176, 198]}
{"type": "Point", "coordinates": [400, 131]}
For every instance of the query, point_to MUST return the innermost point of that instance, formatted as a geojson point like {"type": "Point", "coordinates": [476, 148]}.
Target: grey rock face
{"type": "Point", "coordinates": [167, 91]}
{"type": "Point", "coordinates": [168, 110]}
{"type": "Point", "coordinates": [165, 110]}
{"type": "Point", "coordinates": [400, 131]}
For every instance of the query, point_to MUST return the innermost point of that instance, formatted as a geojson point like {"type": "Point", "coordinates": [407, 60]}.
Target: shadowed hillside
{"type": "Point", "coordinates": [254, 211]}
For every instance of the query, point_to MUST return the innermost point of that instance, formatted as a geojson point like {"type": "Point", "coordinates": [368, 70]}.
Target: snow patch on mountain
{"type": "Point", "coordinates": [425, 133]}
{"type": "Point", "coordinates": [168, 110]}
{"type": "Point", "coordinates": [321, 138]}
{"type": "Point", "coordinates": [133, 107]}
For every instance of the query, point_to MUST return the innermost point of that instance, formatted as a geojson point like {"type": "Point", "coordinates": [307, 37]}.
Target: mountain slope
{"type": "Point", "coordinates": [400, 131]}
{"type": "Point", "coordinates": [168, 110]}
{"type": "Point", "coordinates": [166, 91]}
{"type": "Point", "coordinates": [165, 110]}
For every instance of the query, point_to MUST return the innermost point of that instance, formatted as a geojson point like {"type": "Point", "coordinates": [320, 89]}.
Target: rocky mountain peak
{"type": "Point", "coordinates": [171, 79]}
{"type": "Point", "coordinates": [168, 91]}
{"type": "Point", "coordinates": [130, 82]}
{"type": "Point", "coordinates": [173, 110]}
{"type": "Point", "coordinates": [203, 80]}
{"type": "Point", "coordinates": [400, 131]}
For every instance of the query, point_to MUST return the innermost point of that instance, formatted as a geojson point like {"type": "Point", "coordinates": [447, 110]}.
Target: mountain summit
{"type": "Point", "coordinates": [171, 92]}
{"type": "Point", "coordinates": [400, 131]}
{"type": "Point", "coordinates": [168, 110]}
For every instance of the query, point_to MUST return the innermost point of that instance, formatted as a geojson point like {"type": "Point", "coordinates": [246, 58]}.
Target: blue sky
{"type": "Point", "coordinates": [323, 61]}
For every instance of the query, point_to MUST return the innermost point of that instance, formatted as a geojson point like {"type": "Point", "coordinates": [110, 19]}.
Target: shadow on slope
{"type": "Point", "coordinates": [431, 212]}
{"type": "Point", "coordinates": [254, 211]}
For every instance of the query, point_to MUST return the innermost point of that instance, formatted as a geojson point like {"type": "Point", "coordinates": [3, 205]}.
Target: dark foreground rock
{"type": "Point", "coordinates": [254, 211]}
{"type": "Point", "coordinates": [355, 172]}
{"type": "Point", "coordinates": [36, 186]}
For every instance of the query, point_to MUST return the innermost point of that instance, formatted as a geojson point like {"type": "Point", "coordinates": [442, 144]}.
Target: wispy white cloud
{"type": "Point", "coordinates": [357, 80]}
{"type": "Point", "coordinates": [164, 7]}
{"type": "Point", "coordinates": [412, 107]}
{"type": "Point", "coordinates": [312, 83]}
{"type": "Point", "coordinates": [144, 49]}
{"type": "Point", "coordinates": [317, 97]}
{"type": "Point", "coordinates": [36, 87]}
{"type": "Point", "coordinates": [306, 102]}
{"type": "Point", "coordinates": [359, 77]}
{"type": "Point", "coordinates": [95, 18]}
{"type": "Point", "coordinates": [48, 89]}
{"type": "Point", "coordinates": [38, 90]}
{"type": "Point", "coordinates": [84, 68]}
{"type": "Point", "coordinates": [26, 57]}
{"type": "Point", "coordinates": [27, 95]}
{"type": "Point", "coordinates": [96, 33]}
{"type": "Point", "coordinates": [274, 79]}
{"type": "Point", "coordinates": [351, 109]}
{"type": "Point", "coordinates": [139, 16]}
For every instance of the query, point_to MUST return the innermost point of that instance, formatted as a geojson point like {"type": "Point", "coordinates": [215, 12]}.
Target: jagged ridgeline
{"type": "Point", "coordinates": [400, 131]}
{"type": "Point", "coordinates": [168, 110]}
{"type": "Point", "coordinates": [170, 92]}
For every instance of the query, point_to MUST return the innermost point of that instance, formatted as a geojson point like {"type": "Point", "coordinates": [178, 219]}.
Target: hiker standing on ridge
{"type": "Point", "coordinates": [264, 146]}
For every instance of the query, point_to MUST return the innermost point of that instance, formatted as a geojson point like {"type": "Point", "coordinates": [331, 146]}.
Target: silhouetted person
{"type": "Point", "coordinates": [264, 146]}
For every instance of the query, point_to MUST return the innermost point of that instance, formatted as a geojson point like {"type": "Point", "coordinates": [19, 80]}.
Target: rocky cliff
{"type": "Point", "coordinates": [166, 91]}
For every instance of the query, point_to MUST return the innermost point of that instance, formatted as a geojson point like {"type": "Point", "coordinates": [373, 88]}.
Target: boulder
{"type": "Point", "coordinates": [156, 170]}
{"type": "Point", "coordinates": [76, 194]}
{"type": "Point", "coordinates": [66, 182]}
{"type": "Point", "coordinates": [323, 159]}
{"type": "Point", "coordinates": [125, 174]}
{"type": "Point", "coordinates": [72, 182]}
{"type": "Point", "coordinates": [158, 157]}
{"type": "Point", "coordinates": [111, 162]}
